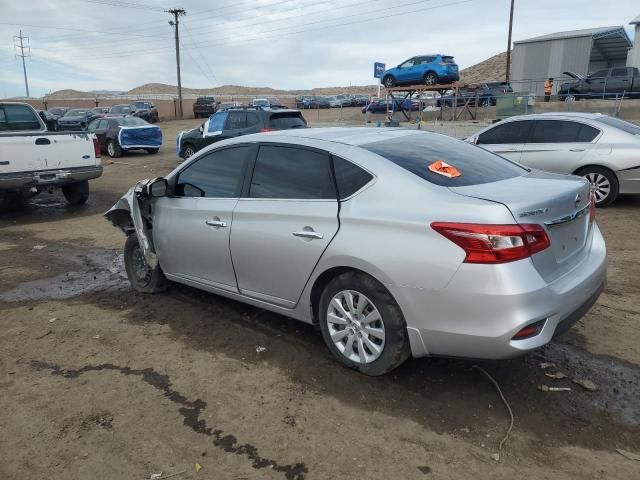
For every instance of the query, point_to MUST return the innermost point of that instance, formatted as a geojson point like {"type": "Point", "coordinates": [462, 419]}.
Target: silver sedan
{"type": "Point", "coordinates": [603, 149]}
{"type": "Point", "coordinates": [395, 242]}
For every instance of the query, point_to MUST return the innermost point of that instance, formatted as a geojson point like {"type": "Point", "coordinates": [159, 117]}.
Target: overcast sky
{"type": "Point", "coordinates": [290, 44]}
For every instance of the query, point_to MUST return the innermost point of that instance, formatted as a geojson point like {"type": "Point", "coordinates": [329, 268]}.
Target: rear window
{"type": "Point", "coordinates": [283, 121]}
{"type": "Point", "coordinates": [131, 122]}
{"type": "Point", "coordinates": [628, 127]}
{"type": "Point", "coordinates": [416, 153]}
{"type": "Point", "coordinates": [18, 117]}
{"type": "Point", "coordinates": [448, 60]}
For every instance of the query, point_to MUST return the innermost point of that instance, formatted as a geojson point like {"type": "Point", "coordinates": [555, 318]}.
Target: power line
{"type": "Point", "coordinates": [22, 55]}
{"type": "Point", "coordinates": [177, 12]}
{"type": "Point", "coordinates": [117, 3]}
{"type": "Point", "coordinates": [199, 52]}
{"type": "Point", "coordinates": [74, 29]}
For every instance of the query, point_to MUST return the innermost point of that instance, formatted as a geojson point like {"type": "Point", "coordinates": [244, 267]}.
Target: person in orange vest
{"type": "Point", "coordinates": [548, 87]}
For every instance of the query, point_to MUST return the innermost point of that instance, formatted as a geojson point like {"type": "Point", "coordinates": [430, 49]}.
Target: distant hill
{"type": "Point", "coordinates": [164, 89]}
{"type": "Point", "coordinates": [491, 69]}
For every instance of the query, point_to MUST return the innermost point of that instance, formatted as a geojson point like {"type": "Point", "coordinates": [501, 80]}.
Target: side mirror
{"type": "Point", "coordinates": [158, 188]}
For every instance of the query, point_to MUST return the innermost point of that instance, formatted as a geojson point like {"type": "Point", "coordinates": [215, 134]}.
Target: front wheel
{"type": "Point", "coordinates": [143, 278]}
{"type": "Point", "coordinates": [604, 184]}
{"type": "Point", "coordinates": [362, 324]}
{"type": "Point", "coordinates": [76, 193]}
{"type": "Point", "coordinates": [152, 150]}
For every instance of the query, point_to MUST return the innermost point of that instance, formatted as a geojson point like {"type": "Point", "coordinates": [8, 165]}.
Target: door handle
{"type": "Point", "coordinates": [216, 223]}
{"type": "Point", "coordinates": [576, 150]}
{"type": "Point", "coordinates": [309, 234]}
{"type": "Point", "coordinates": [43, 141]}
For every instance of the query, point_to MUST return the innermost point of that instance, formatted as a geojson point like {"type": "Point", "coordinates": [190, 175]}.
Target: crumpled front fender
{"type": "Point", "coordinates": [127, 214]}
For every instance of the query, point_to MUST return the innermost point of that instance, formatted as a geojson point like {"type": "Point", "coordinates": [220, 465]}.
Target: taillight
{"type": "Point", "coordinates": [267, 129]}
{"type": "Point", "coordinates": [96, 147]}
{"type": "Point", "coordinates": [494, 243]}
{"type": "Point", "coordinates": [529, 331]}
{"type": "Point", "coordinates": [592, 207]}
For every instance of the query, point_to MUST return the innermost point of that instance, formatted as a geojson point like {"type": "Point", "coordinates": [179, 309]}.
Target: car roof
{"type": "Point", "coordinates": [558, 115]}
{"type": "Point", "coordinates": [347, 136]}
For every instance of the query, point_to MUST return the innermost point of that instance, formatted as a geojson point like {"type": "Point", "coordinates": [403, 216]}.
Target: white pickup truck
{"type": "Point", "coordinates": [33, 160]}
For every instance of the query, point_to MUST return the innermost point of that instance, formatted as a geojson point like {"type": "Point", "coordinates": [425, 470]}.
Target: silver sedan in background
{"type": "Point", "coordinates": [395, 242]}
{"type": "Point", "coordinates": [604, 149]}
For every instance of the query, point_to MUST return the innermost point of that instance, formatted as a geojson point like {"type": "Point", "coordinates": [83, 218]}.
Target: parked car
{"type": "Point", "coordinates": [484, 93]}
{"type": "Point", "coordinates": [236, 122]}
{"type": "Point", "coordinates": [380, 105]}
{"type": "Point", "coordinates": [605, 150]}
{"type": "Point", "coordinates": [204, 107]}
{"type": "Point", "coordinates": [48, 120]}
{"type": "Point", "coordinates": [302, 101]}
{"type": "Point", "coordinates": [334, 102]}
{"type": "Point", "coordinates": [145, 110]}
{"type": "Point", "coordinates": [394, 242]}
{"type": "Point", "coordinates": [345, 99]}
{"type": "Point", "coordinates": [318, 102]}
{"type": "Point", "coordinates": [422, 69]}
{"type": "Point", "coordinates": [75, 119]}
{"type": "Point", "coordinates": [121, 134]}
{"type": "Point", "coordinates": [359, 100]}
{"type": "Point", "coordinates": [607, 83]}
{"type": "Point", "coordinates": [119, 110]}
{"type": "Point", "coordinates": [53, 114]}
{"type": "Point", "coordinates": [260, 102]}
{"type": "Point", "coordinates": [228, 106]}
{"type": "Point", "coordinates": [33, 160]}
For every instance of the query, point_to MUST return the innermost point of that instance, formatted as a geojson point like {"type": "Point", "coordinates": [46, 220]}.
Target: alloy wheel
{"type": "Point", "coordinates": [356, 326]}
{"type": "Point", "coordinates": [430, 79]}
{"type": "Point", "coordinates": [600, 185]}
{"type": "Point", "coordinates": [188, 152]}
{"type": "Point", "coordinates": [111, 150]}
{"type": "Point", "coordinates": [140, 266]}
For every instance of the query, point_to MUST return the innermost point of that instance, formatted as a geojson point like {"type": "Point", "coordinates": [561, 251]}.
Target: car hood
{"type": "Point", "coordinates": [193, 133]}
{"type": "Point", "coordinates": [71, 119]}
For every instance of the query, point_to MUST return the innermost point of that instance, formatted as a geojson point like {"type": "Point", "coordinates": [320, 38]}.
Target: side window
{"type": "Point", "coordinates": [619, 72]}
{"type": "Point", "coordinates": [252, 119]}
{"type": "Point", "coordinates": [93, 126]}
{"type": "Point", "coordinates": [216, 175]}
{"type": "Point", "coordinates": [349, 177]}
{"type": "Point", "coordinates": [104, 124]}
{"type": "Point", "coordinates": [408, 63]}
{"type": "Point", "coordinates": [19, 117]}
{"type": "Point", "coordinates": [289, 172]}
{"type": "Point", "coordinates": [236, 120]}
{"type": "Point", "coordinates": [600, 74]}
{"type": "Point", "coordinates": [511, 132]}
{"type": "Point", "coordinates": [560, 131]}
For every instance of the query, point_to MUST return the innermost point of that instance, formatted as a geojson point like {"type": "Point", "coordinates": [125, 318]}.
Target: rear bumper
{"type": "Point", "coordinates": [480, 310]}
{"type": "Point", "coordinates": [47, 178]}
{"type": "Point", "coordinates": [629, 180]}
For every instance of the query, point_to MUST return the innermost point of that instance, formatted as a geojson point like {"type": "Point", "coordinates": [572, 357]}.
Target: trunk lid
{"type": "Point", "coordinates": [560, 203]}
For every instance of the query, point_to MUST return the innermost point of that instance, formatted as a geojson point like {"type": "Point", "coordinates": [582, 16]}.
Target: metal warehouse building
{"type": "Point", "coordinates": [578, 51]}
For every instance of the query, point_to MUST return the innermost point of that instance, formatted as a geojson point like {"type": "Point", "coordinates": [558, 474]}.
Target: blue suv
{"type": "Point", "coordinates": [422, 70]}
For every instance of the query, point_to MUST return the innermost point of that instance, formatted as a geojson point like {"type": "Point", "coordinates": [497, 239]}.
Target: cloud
{"type": "Point", "coordinates": [253, 43]}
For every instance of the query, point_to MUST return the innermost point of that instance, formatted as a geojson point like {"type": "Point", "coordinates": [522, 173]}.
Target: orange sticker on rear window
{"type": "Point", "coordinates": [444, 169]}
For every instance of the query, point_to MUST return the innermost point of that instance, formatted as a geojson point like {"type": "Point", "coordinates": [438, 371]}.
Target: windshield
{"type": "Point", "coordinates": [120, 109]}
{"type": "Point", "coordinates": [261, 103]}
{"type": "Point", "coordinates": [287, 120]}
{"type": "Point", "coordinates": [142, 105]}
{"type": "Point", "coordinates": [131, 122]}
{"type": "Point", "coordinates": [429, 156]}
{"type": "Point", "coordinates": [75, 113]}
{"type": "Point", "coordinates": [628, 127]}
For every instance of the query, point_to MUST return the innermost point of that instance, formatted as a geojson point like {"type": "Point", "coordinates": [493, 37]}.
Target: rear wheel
{"type": "Point", "coordinates": [362, 324]}
{"type": "Point", "coordinates": [76, 193]}
{"type": "Point", "coordinates": [113, 149]}
{"type": "Point", "coordinates": [143, 278]}
{"type": "Point", "coordinates": [430, 78]}
{"type": "Point", "coordinates": [389, 81]}
{"type": "Point", "coordinates": [604, 184]}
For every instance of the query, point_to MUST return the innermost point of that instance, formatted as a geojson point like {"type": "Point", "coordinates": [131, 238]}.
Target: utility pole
{"type": "Point", "coordinates": [177, 12]}
{"type": "Point", "coordinates": [22, 48]}
{"type": "Point", "coordinates": [508, 72]}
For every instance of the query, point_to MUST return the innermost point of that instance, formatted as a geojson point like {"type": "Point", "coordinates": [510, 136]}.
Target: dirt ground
{"type": "Point", "coordinates": [100, 382]}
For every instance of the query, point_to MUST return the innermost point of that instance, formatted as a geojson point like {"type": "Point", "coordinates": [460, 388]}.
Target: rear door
{"type": "Point", "coordinates": [506, 139]}
{"type": "Point", "coordinates": [283, 224]}
{"type": "Point", "coordinates": [620, 81]}
{"type": "Point", "coordinates": [558, 145]}
{"type": "Point", "coordinates": [191, 227]}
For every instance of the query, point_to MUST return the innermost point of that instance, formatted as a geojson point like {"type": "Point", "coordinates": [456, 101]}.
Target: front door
{"type": "Point", "coordinates": [285, 223]}
{"type": "Point", "coordinates": [506, 139]}
{"type": "Point", "coordinates": [191, 227]}
{"type": "Point", "coordinates": [558, 145]}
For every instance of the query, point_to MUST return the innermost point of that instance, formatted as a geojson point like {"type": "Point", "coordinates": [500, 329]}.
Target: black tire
{"type": "Point", "coordinates": [430, 78]}
{"type": "Point", "coordinates": [594, 175]}
{"type": "Point", "coordinates": [113, 149]}
{"type": "Point", "coordinates": [152, 150]}
{"type": "Point", "coordinates": [188, 150]}
{"type": "Point", "coordinates": [396, 343]}
{"type": "Point", "coordinates": [76, 193]}
{"type": "Point", "coordinates": [389, 81]}
{"type": "Point", "coordinates": [153, 280]}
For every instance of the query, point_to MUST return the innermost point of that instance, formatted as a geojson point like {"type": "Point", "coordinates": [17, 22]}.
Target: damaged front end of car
{"type": "Point", "coordinates": [133, 214]}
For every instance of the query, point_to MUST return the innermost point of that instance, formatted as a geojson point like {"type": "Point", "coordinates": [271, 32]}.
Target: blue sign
{"type": "Point", "coordinates": [378, 70]}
